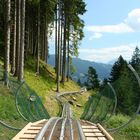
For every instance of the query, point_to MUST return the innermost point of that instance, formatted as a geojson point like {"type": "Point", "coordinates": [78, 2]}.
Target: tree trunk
{"type": "Point", "coordinates": [27, 32]}
{"type": "Point", "coordinates": [31, 39]}
{"type": "Point", "coordinates": [61, 38]}
{"type": "Point", "coordinates": [56, 41]}
{"type": "Point", "coordinates": [18, 36]}
{"type": "Point", "coordinates": [42, 30]}
{"type": "Point", "coordinates": [68, 57]}
{"type": "Point", "coordinates": [14, 41]}
{"type": "Point", "coordinates": [7, 43]}
{"type": "Point", "coordinates": [42, 39]}
{"type": "Point", "coordinates": [58, 49]}
{"type": "Point", "coordinates": [38, 45]}
{"type": "Point", "coordinates": [64, 53]}
{"type": "Point", "coordinates": [21, 68]}
{"type": "Point", "coordinates": [46, 42]}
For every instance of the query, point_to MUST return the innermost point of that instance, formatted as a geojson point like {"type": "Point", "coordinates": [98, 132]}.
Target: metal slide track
{"type": "Point", "coordinates": [63, 128]}
{"type": "Point", "coordinates": [54, 132]}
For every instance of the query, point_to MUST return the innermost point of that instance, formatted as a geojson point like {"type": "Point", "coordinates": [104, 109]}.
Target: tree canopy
{"type": "Point", "coordinates": [125, 83]}
{"type": "Point", "coordinates": [26, 27]}
{"type": "Point", "coordinates": [92, 79]}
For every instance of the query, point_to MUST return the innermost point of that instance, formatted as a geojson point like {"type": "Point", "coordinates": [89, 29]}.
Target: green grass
{"type": "Point", "coordinates": [8, 114]}
{"type": "Point", "coordinates": [119, 136]}
{"type": "Point", "coordinates": [81, 100]}
{"type": "Point", "coordinates": [77, 102]}
{"type": "Point", "coordinates": [131, 132]}
{"type": "Point", "coordinates": [45, 86]}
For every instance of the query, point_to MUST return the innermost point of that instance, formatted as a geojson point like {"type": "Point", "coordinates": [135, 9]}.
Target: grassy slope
{"type": "Point", "coordinates": [118, 136]}
{"type": "Point", "coordinates": [8, 113]}
{"type": "Point", "coordinates": [131, 132]}
{"type": "Point", "coordinates": [77, 102]}
{"type": "Point", "coordinates": [44, 85]}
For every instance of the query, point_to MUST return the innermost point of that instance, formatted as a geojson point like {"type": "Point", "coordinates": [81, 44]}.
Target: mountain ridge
{"type": "Point", "coordinates": [103, 70]}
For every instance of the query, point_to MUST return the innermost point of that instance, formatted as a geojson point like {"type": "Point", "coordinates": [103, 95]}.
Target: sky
{"type": "Point", "coordinates": [112, 28]}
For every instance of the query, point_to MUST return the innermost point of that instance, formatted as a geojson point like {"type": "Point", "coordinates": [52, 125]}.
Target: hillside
{"type": "Point", "coordinates": [8, 113]}
{"type": "Point", "coordinates": [103, 70]}
{"type": "Point", "coordinates": [44, 85]}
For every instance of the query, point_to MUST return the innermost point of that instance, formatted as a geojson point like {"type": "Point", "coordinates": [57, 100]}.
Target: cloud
{"type": "Point", "coordinates": [133, 19]}
{"type": "Point", "coordinates": [105, 55]}
{"type": "Point", "coordinates": [96, 35]}
{"type": "Point", "coordinates": [119, 28]}
{"type": "Point", "coordinates": [130, 24]}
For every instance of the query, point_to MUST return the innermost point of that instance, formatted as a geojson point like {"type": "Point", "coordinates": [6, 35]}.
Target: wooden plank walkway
{"type": "Point", "coordinates": [94, 131]}
{"type": "Point", "coordinates": [91, 131]}
{"type": "Point", "coordinates": [30, 131]}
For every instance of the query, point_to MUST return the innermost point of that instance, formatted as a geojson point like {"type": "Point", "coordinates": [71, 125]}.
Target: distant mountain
{"type": "Point", "coordinates": [111, 62]}
{"type": "Point", "coordinates": [103, 70]}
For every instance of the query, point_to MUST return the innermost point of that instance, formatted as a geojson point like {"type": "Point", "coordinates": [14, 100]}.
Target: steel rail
{"type": "Point", "coordinates": [42, 132]}
{"type": "Point", "coordinates": [81, 133]}
{"type": "Point", "coordinates": [66, 118]}
{"type": "Point", "coordinates": [58, 96]}
{"type": "Point", "coordinates": [62, 129]}
{"type": "Point", "coordinates": [73, 92]}
{"type": "Point", "coordinates": [69, 117]}
{"type": "Point", "coordinates": [52, 131]}
{"type": "Point", "coordinates": [71, 129]}
{"type": "Point", "coordinates": [67, 111]}
{"type": "Point", "coordinates": [67, 93]}
{"type": "Point", "coordinates": [63, 112]}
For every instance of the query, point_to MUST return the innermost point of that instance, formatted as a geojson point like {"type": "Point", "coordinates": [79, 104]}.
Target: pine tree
{"type": "Point", "coordinates": [92, 79]}
{"type": "Point", "coordinates": [126, 87]}
{"type": "Point", "coordinates": [31, 28]}
{"type": "Point", "coordinates": [79, 82]}
{"type": "Point", "coordinates": [135, 61]}
{"type": "Point", "coordinates": [117, 69]}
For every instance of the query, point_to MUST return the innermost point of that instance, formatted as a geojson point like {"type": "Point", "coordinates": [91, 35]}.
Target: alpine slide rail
{"type": "Point", "coordinates": [63, 128]}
